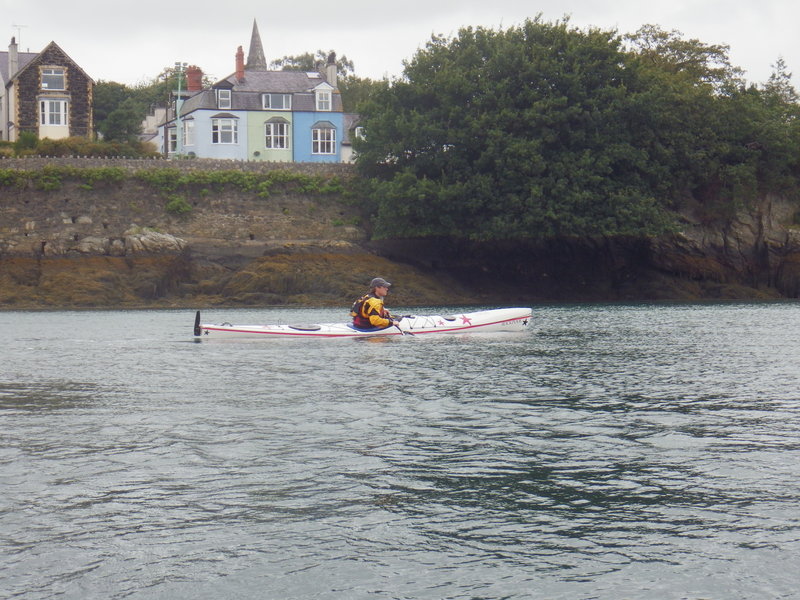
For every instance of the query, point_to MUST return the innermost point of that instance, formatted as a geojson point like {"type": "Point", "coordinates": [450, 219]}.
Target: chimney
{"type": "Point", "coordinates": [330, 69]}
{"type": "Point", "coordinates": [240, 64]}
{"type": "Point", "coordinates": [194, 79]}
{"type": "Point", "coordinates": [13, 58]}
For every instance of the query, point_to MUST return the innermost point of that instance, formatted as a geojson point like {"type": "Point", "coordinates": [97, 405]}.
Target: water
{"type": "Point", "coordinates": [609, 452]}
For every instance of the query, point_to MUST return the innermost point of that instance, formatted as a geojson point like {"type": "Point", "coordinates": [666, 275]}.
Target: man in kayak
{"type": "Point", "coordinates": [368, 311]}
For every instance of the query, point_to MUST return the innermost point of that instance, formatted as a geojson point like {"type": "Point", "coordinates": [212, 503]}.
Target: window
{"type": "Point", "coordinates": [323, 141]}
{"type": "Point", "coordinates": [172, 140]}
{"type": "Point", "coordinates": [277, 134]}
{"type": "Point", "coordinates": [223, 98]}
{"type": "Point", "coordinates": [323, 100]}
{"type": "Point", "coordinates": [358, 133]}
{"type": "Point", "coordinates": [53, 112]}
{"type": "Point", "coordinates": [53, 79]}
{"type": "Point", "coordinates": [277, 101]}
{"type": "Point", "coordinates": [188, 133]}
{"type": "Point", "coordinates": [224, 131]}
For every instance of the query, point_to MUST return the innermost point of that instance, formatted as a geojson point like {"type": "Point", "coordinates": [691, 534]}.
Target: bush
{"type": "Point", "coordinates": [29, 145]}
{"type": "Point", "coordinates": [177, 205]}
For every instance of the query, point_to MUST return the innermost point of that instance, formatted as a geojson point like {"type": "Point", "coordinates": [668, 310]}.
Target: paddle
{"type": "Point", "coordinates": [197, 330]}
{"type": "Point", "coordinates": [401, 330]}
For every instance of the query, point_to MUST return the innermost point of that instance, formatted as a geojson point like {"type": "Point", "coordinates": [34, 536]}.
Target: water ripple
{"type": "Point", "coordinates": [613, 451]}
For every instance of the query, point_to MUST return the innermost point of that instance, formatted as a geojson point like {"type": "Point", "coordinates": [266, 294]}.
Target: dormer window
{"type": "Point", "coordinates": [223, 99]}
{"type": "Point", "coordinates": [324, 100]}
{"type": "Point", "coordinates": [277, 101]}
{"type": "Point", "coordinates": [53, 78]}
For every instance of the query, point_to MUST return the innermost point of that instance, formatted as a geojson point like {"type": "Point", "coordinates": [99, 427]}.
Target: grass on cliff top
{"type": "Point", "coordinates": [168, 180]}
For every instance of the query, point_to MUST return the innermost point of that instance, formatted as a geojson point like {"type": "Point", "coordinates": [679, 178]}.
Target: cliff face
{"type": "Point", "coordinates": [755, 255]}
{"type": "Point", "coordinates": [115, 245]}
{"type": "Point", "coordinates": [759, 250]}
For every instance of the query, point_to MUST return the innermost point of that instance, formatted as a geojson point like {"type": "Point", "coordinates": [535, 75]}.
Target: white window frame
{"type": "Point", "coordinates": [52, 75]}
{"type": "Point", "coordinates": [276, 135]}
{"type": "Point", "coordinates": [324, 100]}
{"type": "Point", "coordinates": [224, 131]}
{"type": "Point", "coordinates": [188, 132]}
{"type": "Point", "coordinates": [172, 140]}
{"type": "Point", "coordinates": [323, 140]}
{"type": "Point", "coordinates": [268, 101]}
{"type": "Point", "coordinates": [224, 99]}
{"type": "Point", "coordinates": [54, 112]}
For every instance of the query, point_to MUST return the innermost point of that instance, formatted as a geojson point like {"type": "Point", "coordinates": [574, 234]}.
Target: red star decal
{"type": "Point", "coordinates": [441, 322]}
{"type": "Point", "coordinates": [465, 320]}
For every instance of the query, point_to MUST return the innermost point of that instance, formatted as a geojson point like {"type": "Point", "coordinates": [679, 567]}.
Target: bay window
{"type": "Point", "coordinates": [323, 140]}
{"type": "Point", "coordinates": [53, 112]}
{"type": "Point", "coordinates": [224, 131]}
{"type": "Point", "coordinates": [277, 134]}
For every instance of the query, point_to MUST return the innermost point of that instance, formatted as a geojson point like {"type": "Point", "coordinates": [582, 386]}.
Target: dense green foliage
{"type": "Point", "coordinates": [29, 144]}
{"type": "Point", "coordinates": [309, 62]}
{"type": "Point", "coordinates": [171, 180]}
{"type": "Point", "coordinates": [120, 109]}
{"type": "Point", "coordinates": [545, 130]}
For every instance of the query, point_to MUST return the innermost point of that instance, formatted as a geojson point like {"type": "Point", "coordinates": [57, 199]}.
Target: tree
{"type": "Point", "coordinates": [779, 86]}
{"type": "Point", "coordinates": [357, 90]}
{"type": "Point", "coordinates": [699, 63]}
{"type": "Point", "coordinates": [108, 95]}
{"type": "Point", "coordinates": [312, 62]}
{"type": "Point", "coordinates": [124, 123]}
{"type": "Point", "coordinates": [544, 131]}
{"type": "Point", "coordinates": [516, 134]}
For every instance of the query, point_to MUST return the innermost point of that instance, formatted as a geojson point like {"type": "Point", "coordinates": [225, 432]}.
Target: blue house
{"type": "Point", "coordinates": [256, 114]}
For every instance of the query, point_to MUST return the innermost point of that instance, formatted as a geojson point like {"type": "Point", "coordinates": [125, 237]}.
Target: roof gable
{"type": "Point", "coordinates": [51, 50]}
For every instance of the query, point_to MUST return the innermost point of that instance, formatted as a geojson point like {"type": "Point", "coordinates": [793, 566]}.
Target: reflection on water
{"type": "Point", "coordinates": [52, 395]}
{"type": "Point", "coordinates": [610, 451]}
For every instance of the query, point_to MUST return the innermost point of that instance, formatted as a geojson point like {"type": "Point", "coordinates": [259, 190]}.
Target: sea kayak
{"type": "Point", "coordinates": [482, 321]}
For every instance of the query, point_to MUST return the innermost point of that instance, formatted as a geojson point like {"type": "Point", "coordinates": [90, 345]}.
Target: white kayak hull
{"type": "Point", "coordinates": [483, 321]}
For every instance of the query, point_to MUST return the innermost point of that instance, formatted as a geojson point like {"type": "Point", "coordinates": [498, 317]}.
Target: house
{"type": "Point", "coordinates": [259, 115]}
{"type": "Point", "coordinates": [45, 93]}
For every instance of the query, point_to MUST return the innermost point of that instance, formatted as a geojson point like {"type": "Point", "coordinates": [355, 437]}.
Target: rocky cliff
{"type": "Point", "coordinates": [116, 245]}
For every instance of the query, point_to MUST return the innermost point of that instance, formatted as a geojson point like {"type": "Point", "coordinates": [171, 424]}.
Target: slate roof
{"type": "Point", "coordinates": [279, 82]}
{"type": "Point", "coordinates": [22, 57]}
{"type": "Point", "coordinates": [247, 93]}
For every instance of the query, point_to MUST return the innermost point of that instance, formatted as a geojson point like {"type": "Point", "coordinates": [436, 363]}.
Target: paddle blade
{"type": "Point", "coordinates": [197, 330]}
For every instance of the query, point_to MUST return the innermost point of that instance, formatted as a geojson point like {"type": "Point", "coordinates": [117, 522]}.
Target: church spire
{"type": "Point", "coordinates": [255, 58]}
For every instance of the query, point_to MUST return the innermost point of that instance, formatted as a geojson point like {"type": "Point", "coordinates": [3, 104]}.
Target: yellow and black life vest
{"type": "Point", "coordinates": [363, 309]}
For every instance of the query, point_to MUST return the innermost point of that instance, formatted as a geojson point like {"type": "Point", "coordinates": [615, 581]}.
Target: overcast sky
{"type": "Point", "coordinates": [131, 42]}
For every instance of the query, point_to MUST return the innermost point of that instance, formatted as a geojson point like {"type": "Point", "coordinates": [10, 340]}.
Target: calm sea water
{"type": "Point", "coordinates": [608, 452]}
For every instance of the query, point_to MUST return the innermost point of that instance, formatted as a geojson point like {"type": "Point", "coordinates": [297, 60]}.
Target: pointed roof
{"type": "Point", "coordinates": [38, 58]}
{"type": "Point", "coordinates": [255, 57]}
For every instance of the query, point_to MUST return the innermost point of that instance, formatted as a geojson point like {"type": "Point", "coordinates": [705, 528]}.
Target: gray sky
{"type": "Point", "coordinates": [131, 42]}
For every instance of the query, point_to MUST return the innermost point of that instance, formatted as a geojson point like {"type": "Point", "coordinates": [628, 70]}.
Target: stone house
{"type": "Point", "coordinates": [45, 93]}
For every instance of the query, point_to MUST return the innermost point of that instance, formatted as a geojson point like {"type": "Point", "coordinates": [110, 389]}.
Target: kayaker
{"type": "Point", "coordinates": [368, 311]}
